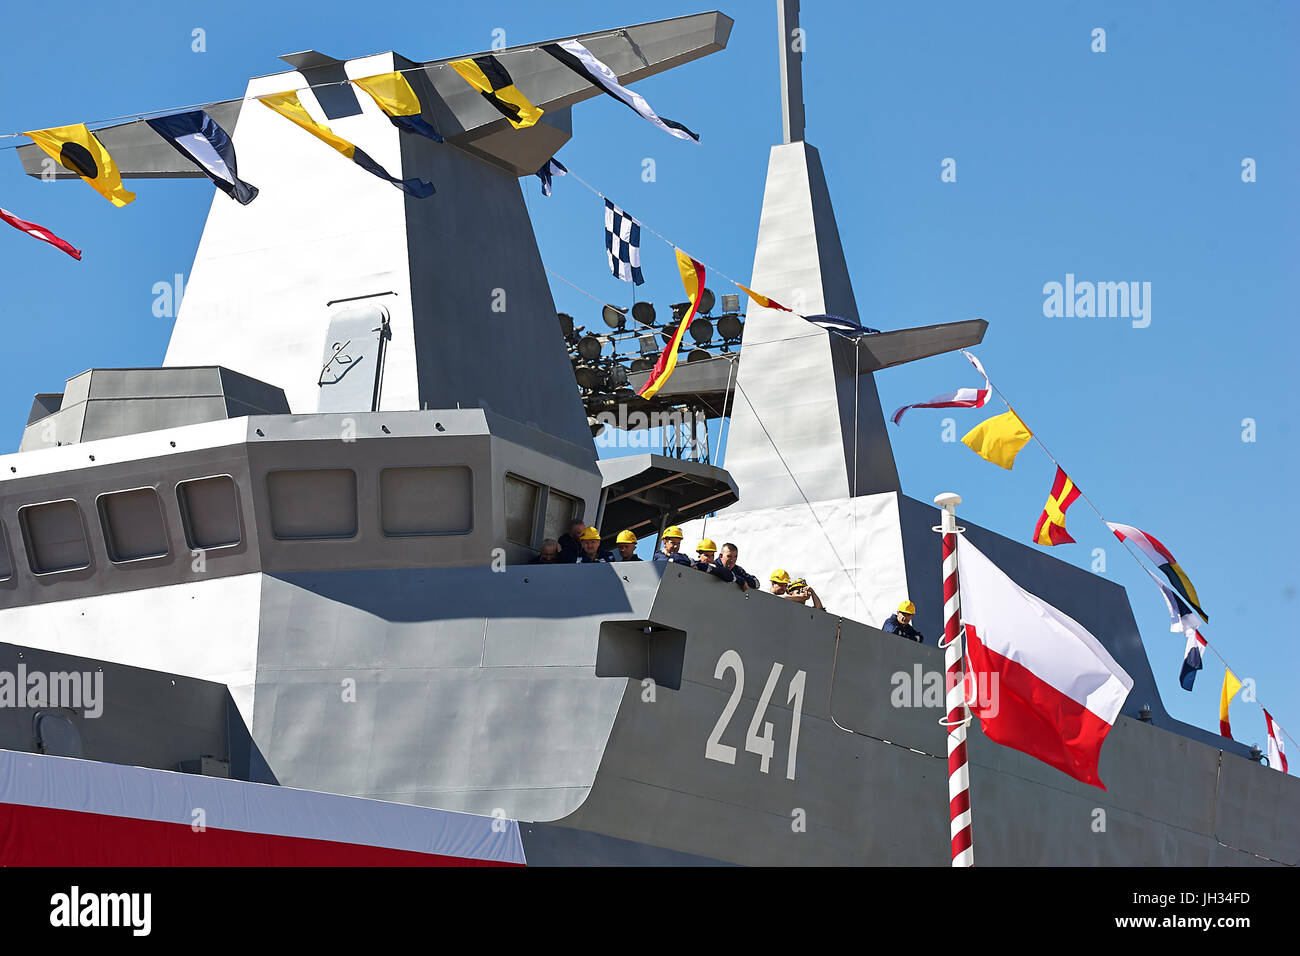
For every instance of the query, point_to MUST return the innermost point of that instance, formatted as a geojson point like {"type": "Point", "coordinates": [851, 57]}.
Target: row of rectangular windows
{"type": "Point", "coordinates": [305, 504]}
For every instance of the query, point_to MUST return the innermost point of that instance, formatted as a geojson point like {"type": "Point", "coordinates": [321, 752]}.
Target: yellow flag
{"type": "Point", "coordinates": [392, 92]}
{"type": "Point", "coordinates": [1230, 687]}
{"type": "Point", "coordinates": [290, 107]}
{"type": "Point", "coordinates": [75, 148]}
{"type": "Point", "coordinates": [998, 439]}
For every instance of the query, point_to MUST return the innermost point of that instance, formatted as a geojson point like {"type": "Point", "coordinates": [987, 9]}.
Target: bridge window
{"type": "Point", "coordinates": [432, 500]}
{"type": "Point", "coordinates": [313, 503]}
{"type": "Point", "coordinates": [133, 525]}
{"type": "Point", "coordinates": [521, 510]}
{"type": "Point", "coordinates": [55, 536]}
{"type": "Point", "coordinates": [209, 512]}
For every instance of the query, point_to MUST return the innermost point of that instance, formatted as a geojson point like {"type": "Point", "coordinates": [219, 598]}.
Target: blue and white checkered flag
{"type": "Point", "coordinates": [623, 244]}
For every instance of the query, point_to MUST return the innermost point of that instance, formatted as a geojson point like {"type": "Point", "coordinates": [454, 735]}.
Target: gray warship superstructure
{"type": "Point", "coordinates": [326, 499]}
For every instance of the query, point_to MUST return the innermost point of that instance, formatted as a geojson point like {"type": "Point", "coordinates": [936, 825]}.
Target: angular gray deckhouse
{"type": "Point", "coordinates": [297, 554]}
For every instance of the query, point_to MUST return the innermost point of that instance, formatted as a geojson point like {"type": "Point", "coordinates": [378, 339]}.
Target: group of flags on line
{"type": "Point", "coordinates": [202, 140]}
{"type": "Point", "coordinates": [623, 250]}
{"type": "Point", "coordinates": [999, 440]}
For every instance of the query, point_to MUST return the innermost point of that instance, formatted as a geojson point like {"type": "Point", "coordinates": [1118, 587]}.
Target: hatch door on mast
{"type": "Point", "coordinates": [352, 364]}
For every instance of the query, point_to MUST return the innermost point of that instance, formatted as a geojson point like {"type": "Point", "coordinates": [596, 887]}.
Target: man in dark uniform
{"type": "Point", "coordinates": [672, 546]}
{"type": "Point", "coordinates": [727, 559]}
{"type": "Point", "coordinates": [706, 550]}
{"type": "Point", "coordinates": [900, 623]}
{"type": "Point", "coordinates": [569, 547]}
{"type": "Point", "coordinates": [549, 554]}
{"type": "Point", "coordinates": [590, 542]}
{"type": "Point", "coordinates": [624, 548]}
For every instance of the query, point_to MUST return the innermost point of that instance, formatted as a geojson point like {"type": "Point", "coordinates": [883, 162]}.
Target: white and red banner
{"type": "Point", "coordinates": [39, 232]}
{"type": "Point", "coordinates": [1053, 690]}
{"type": "Point", "coordinates": [57, 811]}
{"type": "Point", "coordinates": [961, 398]}
{"type": "Point", "coordinates": [1276, 749]}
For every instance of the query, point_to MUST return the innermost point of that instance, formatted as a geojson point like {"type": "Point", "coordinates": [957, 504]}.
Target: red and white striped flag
{"type": "Point", "coordinates": [1048, 687]}
{"type": "Point", "coordinates": [39, 232]}
{"type": "Point", "coordinates": [962, 398]}
{"type": "Point", "coordinates": [1276, 751]}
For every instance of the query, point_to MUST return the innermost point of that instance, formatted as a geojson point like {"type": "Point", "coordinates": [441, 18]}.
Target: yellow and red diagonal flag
{"type": "Point", "coordinates": [1051, 523]}
{"type": "Point", "coordinates": [762, 300]}
{"type": "Point", "coordinates": [693, 281]}
{"type": "Point", "coordinates": [1230, 687]}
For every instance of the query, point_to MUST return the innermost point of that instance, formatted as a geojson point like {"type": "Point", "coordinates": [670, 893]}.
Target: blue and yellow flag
{"type": "Point", "coordinates": [288, 105]}
{"type": "Point", "coordinates": [394, 95]}
{"type": "Point", "coordinates": [77, 149]}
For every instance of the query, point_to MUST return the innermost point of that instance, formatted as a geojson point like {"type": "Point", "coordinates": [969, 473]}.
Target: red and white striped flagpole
{"type": "Point", "coordinates": [963, 852]}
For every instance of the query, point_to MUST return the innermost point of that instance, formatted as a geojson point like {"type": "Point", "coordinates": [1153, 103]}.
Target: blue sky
{"type": "Point", "coordinates": [1117, 166]}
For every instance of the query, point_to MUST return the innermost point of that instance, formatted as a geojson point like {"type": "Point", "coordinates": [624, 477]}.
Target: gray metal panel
{"type": "Point", "coordinates": [144, 718]}
{"type": "Point", "coordinates": [907, 345]}
{"type": "Point", "coordinates": [451, 709]}
{"type": "Point", "coordinates": [792, 113]}
{"type": "Point", "coordinates": [108, 403]}
{"type": "Point", "coordinates": [802, 406]}
{"type": "Point", "coordinates": [139, 152]}
{"type": "Point", "coordinates": [480, 273]}
{"type": "Point", "coordinates": [867, 795]}
{"type": "Point", "coordinates": [45, 403]}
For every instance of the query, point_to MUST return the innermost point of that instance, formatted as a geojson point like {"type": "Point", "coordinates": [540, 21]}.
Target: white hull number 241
{"type": "Point", "coordinates": [755, 742]}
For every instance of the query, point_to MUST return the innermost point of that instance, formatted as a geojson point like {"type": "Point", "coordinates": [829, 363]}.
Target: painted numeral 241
{"type": "Point", "coordinates": [755, 742]}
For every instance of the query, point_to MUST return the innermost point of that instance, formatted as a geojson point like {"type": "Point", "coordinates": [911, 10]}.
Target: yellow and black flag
{"type": "Point", "coordinates": [75, 148]}
{"type": "Point", "coordinates": [290, 107]}
{"type": "Point", "coordinates": [489, 77]}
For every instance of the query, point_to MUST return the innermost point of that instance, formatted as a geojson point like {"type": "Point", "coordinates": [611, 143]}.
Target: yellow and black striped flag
{"type": "Point", "coordinates": [290, 107]}
{"type": "Point", "coordinates": [75, 148]}
{"type": "Point", "coordinates": [489, 77]}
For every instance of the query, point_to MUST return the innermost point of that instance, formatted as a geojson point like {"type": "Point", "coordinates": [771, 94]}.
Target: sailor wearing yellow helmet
{"type": "Point", "coordinates": [800, 590]}
{"type": "Point", "coordinates": [589, 542]}
{"type": "Point", "coordinates": [707, 550]}
{"type": "Point", "coordinates": [624, 548]}
{"type": "Point", "coordinates": [672, 546]}
{"type": "Point", "coordinates": [779, 583]}
{"type": "Point", "coordinates": [900, 623]}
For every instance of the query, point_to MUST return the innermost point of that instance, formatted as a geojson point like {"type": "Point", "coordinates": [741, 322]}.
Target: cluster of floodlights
{"type": "Point", "coordinates": [604, 377]}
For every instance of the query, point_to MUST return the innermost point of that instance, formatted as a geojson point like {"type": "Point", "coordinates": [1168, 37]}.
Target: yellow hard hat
{"type": "Point", "coordinates": [907, 607]}
{"type": "Point", "coordinates": [798, 583]}
{"type": "Point", "coordinates": [589, 533]}
{"type": "Point", "coordinates": [672, 531]}
{"type": "Point", "coordinates": [706, 544]}
{"type": "Point", "coordinates": [626, 537]}
{"type": "Point", "coordinates": [780, 576]}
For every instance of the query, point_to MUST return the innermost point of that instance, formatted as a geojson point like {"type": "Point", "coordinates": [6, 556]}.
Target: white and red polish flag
{"type": "Point", "coordinates": [1276, 751]}
{"type": "Point", "coordinates": [962, 398]}
{"type": "Point", "coordinates": [1054, 690]}
{"type": "Point", "coordinates": [39, 232]}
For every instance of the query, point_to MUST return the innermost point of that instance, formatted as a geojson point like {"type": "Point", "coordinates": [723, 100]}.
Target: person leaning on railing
{"type": "Point", "coordinates": [744, 580]}
{"type": "Point", "coordinates": [590, 543]}
{"type": "Point", "coordinates": [900, 623]}
{"type": "Point", "coordinates": [800, 590]}
{"type": "Point", "coordinates": [672, 546]}
{"type": "Point", "coordinates": [706, 550]}
{"type": "Point", "coordinates": [549, 553]}
{"type": "Point", "coordinates": [569, 546]}
{"type": "Point", "coordinates": [624, 548]}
